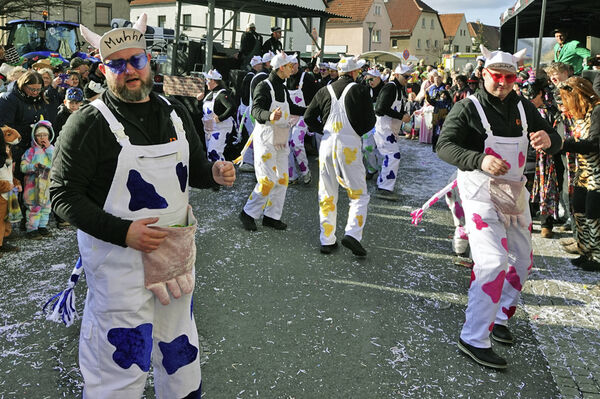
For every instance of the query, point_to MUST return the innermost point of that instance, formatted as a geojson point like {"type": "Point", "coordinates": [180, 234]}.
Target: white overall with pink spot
{"type": "Point", "coordinates": [502, 255]}
{"type": "Point", "coordinates": [297, 159]}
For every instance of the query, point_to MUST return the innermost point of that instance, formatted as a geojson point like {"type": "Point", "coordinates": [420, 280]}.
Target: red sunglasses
{"type": "Point", "coordinates": [498, 77]}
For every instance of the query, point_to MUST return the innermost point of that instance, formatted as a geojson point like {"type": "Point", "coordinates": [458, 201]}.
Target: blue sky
{"type": "Point", "coordinates": [488, 11]}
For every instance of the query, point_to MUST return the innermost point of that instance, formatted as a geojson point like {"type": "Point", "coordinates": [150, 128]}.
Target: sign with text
{"type": "Point", "coordinates": [183, 85]}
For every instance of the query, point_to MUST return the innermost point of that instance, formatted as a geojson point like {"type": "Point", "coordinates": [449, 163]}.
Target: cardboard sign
{"type": "Point", "coordinates": [183, 85]}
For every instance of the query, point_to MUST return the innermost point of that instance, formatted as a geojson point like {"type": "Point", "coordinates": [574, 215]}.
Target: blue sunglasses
{"type": "Point", "coordinates": [119, 66]}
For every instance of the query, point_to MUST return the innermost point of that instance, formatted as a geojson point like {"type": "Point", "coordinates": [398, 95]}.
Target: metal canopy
{"type": "Point", "coordinates": [579, 17]}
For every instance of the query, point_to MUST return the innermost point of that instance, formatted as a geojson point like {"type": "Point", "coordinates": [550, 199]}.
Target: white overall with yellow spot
{"type": "Point", "coordinates": [340, 163]}
{"type": "Point", "coordinates": [270, 163]}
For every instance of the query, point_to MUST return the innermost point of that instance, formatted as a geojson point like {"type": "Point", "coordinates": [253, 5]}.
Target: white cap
{"type": "Point", "coordinates": [267, 57]}
{"type": "Point", "coordinates": [349, 64]}
{"type": "Point", "coordinates": [332, 65]}
{"type": "Point", "coordinates": [385, 77]}
{"type": "Point", "coordinates": [403, 69]}
{"type": "Point", "coordinates": [282, 59]}
{"type": "Point", "coordinates": [323, 65]}
{"type": "Point", "coordinates": [257, 59]}
{"type": "Point", "coordinates": [213, 74]}
{"type": "Point", "coordinates": [118, 39]}
{"type": "Point", "coordinates": [374, 72]}
{"type": "Point", "coordinates": [502, 60]}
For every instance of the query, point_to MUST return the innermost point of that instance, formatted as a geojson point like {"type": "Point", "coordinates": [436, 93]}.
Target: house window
{"type": "Point", "coordinates": [435, 44]}
{"type": "Point", "coordinates": [162, 19]}
{"type": "Point", "coordinates": [432, 24]}
{"type": "Point", "coordinates": [376, 38]}
{"type": "Point", "coordinates": [455, 49]}
{"type": "Point", "coordinates": [274, 22]}
{"type": "Point", "coordinates": [103, 14]}
{"type": "Point", "coordinates": [288, 24]}
{"type": "Point", "coordinates": [423, 23]}
{"type": "Point", "coordinates": [377, 10]}
{"type": "Point", "coordinates": [468, 49]}
{"type": "Point", "coordinates": [395, 43]}
{"type": "Point", "coordinates": [187, 21]}
{"type": "Point", "coordinates": [418, 43]}
{"type": "Point", "coordinates": [72, 11]}
{"type": "Point", "coordinates": [427, 43]}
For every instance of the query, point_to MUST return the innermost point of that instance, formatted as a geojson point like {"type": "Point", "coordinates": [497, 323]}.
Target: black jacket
{"type": "Point", "coordinates": [86, 155]}
{"type": "Point", "coordinates": [61, 117]}
{"type": "Point", "coordinates": [359, 107]}
{"type": "Point", "coordinates": [461, 142]}
{"type": "Point", "coordinates": [255, 80]}
{"type": "Point", "coordinates": [250, 44]}
{"type": "Point", "coordinates": [245, 89]}
{"type": "Point", "coordinates": [261, 101]}
{"type": "Point", "coordinates": [374, 91]}
{"type": "Point", "coordinates": [273, 45]}
{"type": "Point", "coordinates": [388, 94]}
{"type": "Point", "coordinates": [224, 104]}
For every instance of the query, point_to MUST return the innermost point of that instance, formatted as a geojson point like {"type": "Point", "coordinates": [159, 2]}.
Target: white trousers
{"type": "Point", "coordinates": [298, 161]}
{"type": "Point", "coordinates": [388, 146]}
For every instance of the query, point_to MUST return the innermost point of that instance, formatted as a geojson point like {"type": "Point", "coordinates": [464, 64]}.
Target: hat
{"type": "Point", "coordinates": [118, 39]}
{"type": "Point", "coordinates": [502, 60]}
{"type": "Point", "coordinates": [74, 94]}
{"type": "Point", "coordinates": [403, 69]}
{"type": "Point", "coordinates": [254, 61]}
{"type": "Point", "coordinates": [213, 74]}
{"type": "Point", "coordinates": [481, 58]}
{"type": "Point", "coordinates": [92, 89]}
{"type": "Point", "coordinates": [267, 57]}
{"type": "Point", "coordinates": [250, 25]}
{"type": "Point", "coordinates": [275, 29]}
{"type": "Point", "coordinates": [323, 65]}
{"type": "Point", "coordinates": [349, 64]}
{"type": "Point", "coordinates": [332, 65]}
{"type": "Point", "coordinates": [373, 72]}
{"type": "Point", "coordinates": [43, 63]}
{"type": "Point", "coordinates": [473, 79]}
{"type": "Point", "coordinates": [281, 59]}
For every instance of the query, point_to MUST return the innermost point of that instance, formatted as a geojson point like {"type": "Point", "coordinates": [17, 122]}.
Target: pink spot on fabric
{"type": "Point", "coordinates": [491, 327]}
{"type": "Point", "coordinates": [489, 151]}
{"type": "Point", "coordinates": [449, 194]}
{"type": "Point", "coordinates": [530, 228]}
{"type": "Point", "coordinates": [510, 311]}
{"type": "Point", "coordinates": [513, 278]}
{"type": "Point", "coordinates": [291, 172]}
{"type": "Point", "coordinates": [504, 243]}
{"type": "Point", "coordinates": [521, 159]}
{"type": "Point", "coordinates": [494, 287]}
{"type": "Point", "coordinates": [472, 277]}
{"type": "Point", "coordinates": [301, 123]}
{"type": "Point", "coordinates": [459, 212]}
{"type": "Point", "coordinates": [462, 233]}
{"type": "Point", "coordinates": [302, 167]}
{"type": "Point", "coordinates": [433, 201]}
{"type": "Point", "coordinates": [454, 184]}
{"type": "Point", "coordinates": [297, 152]}
{"type": "Point", "coordinates": [301, 136]}
{"type": "Point", "coordinates": [479, 224]}
{"type": "Point", "coordinates": [298, 100]}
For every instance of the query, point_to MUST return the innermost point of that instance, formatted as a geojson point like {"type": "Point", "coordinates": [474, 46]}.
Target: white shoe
{"type": "Point", "coordinates": [246, 167]}
{"type": "Point", "coordinates": [307, 178]}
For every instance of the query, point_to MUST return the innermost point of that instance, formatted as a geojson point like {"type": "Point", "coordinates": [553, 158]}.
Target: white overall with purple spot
{"type": "Point", "coordinates": [125, 329]}
{"type": "Point", "coordinates": [502, 255]}
{"type": "Point", "coordinates": [297, 159]}
{"type": "Point", "coordinates": [215, 133]}
{"type": "Point", "coordinates": [386, 131]}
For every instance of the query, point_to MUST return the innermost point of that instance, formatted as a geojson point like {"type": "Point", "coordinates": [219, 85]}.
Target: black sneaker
{"type": "Point", "coordinates": [248, 221]}
{"type": "Point", "coordinates": [484, 356]}
{"type": "Point", "coordinates": [44, 232]}
{"type": "Point", "coordinates": [274, 223]}
{"type": "Point", "coordinates": [353, 244]}
{"type": "Point", "coordinates": [369, 175]}
{"type": "Point", "coordinates": [33, 235]}
{"type": "Point", "coordinates": [327, 249]}
{"type": "Point", "coordinates": [386, 195]}
{"type": "Point", "coordinates": [590, 265]}
{"type": "Point", "coordinates": [502, 334]}
{"type": "Point", "coordinates": [578, 261]}
{"type": "Point", "coordinates": [6, 247]}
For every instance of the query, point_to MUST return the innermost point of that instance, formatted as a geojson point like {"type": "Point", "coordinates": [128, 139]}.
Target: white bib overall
{"type": "Point", "coordinates": [270, 163]}
{"type": "Point", "coordinates": [340, 163]}
{"type": "Point", "coordinates": [124, 327]}
{"type": "Point", "coordinates": [249, 122]}
{"type": "Point", "coordinates": [386, 130]}
{"type": "Point", "coordinates": [502, 255]}
{"type": "Point", "coordinates": [297, 159]}
{"type": "Point", "coordinates": [215, 133]}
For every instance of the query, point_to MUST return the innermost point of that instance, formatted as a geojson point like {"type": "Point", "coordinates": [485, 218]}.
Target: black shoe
{"type": "Point", "coordinates": [33, 235]}
{"type": "Point", "coordinates": [248, 221]}
{"type": "Point", "coordinates": [6, 247]}
{"type": "Point", "coordinates": [353, 244]}
{"type": "Point", "coordinates": [502, 334]}
{"type": "Point", "coordinates": [590, 265]}
{"type": "Point", "coordinates": [580, 260]}
{"type": "Point", "coordinates": [274, 223]}
{"type": "Point", "coordinates": [386, 195]}
{"type": "Point", "coordinates": [369, 175]}
{"type": "Point", "coordinates": [327, 249]}
{"type": "Point", "coordinates": [484, 356]}
{"type": "Point", "coordinates": [44, 232]}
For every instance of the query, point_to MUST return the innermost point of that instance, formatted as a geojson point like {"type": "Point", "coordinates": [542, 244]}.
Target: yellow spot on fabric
{"type": "Point", "coordinates": [286, 115]}
{"type": "Point", "coordinates": [360, 219]}
{"type": "Point", "coordinates": [269, 203]}
{"type": "Point", "coordinates": [340, 181]}
{"type": "Point", "coordinates": [327, 205]}
{"type": "Point", "coordinates": [350, 155]}
{"type": "Point", "coordinates": [284, 180]}
{"type": "Point", "coordinates": [266, 157]}
{"type": "Point", "coordinates": [275, 169]}
{"type": "Point", "coordinates": [337, 126]}
{"type": "Point", "coordinates": [250, 198]}
{"type": "Point", "coordinates": [265, 186]}
{"type": "Point", "coordinates": [328, 229]}
{"type": "Point", "coordinates": [343, 61]}
{"type": "Point", "coordinates": [354, 194]}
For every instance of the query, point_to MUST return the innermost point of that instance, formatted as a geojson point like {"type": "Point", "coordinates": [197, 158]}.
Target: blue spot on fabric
{"type": "Point", "coordinates": [213, 156]}
{"type": "Point", "coordinates": [143, 194]}
{"type": "Point", "coordinates": [177, 353]}
{"type": "Point", "coordinates": [182, 175]}
{"type": "Point", "coordinates": [216, 135]}
{"type": "Point", "coordinates": [391, 138]}
{"type": "Point", "coordinates": [386, 161]}
{"type": "Point", "coordinates": [208, 111]}
{"type": "Point", "coordinates": [133, 346]}
{"type": "Point", "coordinates": [192, 308]}
{"type": "Point", "coordinates": [391, 175]}
{"type": "Point", "coordinates": [397, 155]}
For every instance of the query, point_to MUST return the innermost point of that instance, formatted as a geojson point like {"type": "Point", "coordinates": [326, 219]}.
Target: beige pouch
{"type": "Point", "coordinates": [281, 136]}
{"type": "Point", "coordinates": [508, 196]}
{"type": "Point", "coordinates": [171, 265]}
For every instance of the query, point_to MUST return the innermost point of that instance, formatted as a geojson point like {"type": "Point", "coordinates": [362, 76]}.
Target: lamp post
{"type": "Point", "coordinates": [370, 25]}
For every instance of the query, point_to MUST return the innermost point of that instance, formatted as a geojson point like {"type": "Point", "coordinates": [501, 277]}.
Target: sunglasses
{"type": "Point", "coordinates": [498, 77]}
{"type": "Point", "coordinates": [119, 66]}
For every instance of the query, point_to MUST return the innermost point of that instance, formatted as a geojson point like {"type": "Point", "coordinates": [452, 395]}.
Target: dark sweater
{"type": "Point", "coordinates": [261, 101]}
{"type": "Point", "coordinates": [224, 105]}
{"type": "Point", "coordinates": [245, 89]}
{"type": "Point", "coordinates": [85, 160]}
{"type": "Point", "coordinates": [391, 92]}
{"type": "Point", "coordinates": [461, 142]}
{"type": "Point", "coordinates": [358, 105]}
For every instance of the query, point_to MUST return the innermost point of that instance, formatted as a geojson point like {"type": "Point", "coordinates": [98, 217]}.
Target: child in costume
{"type": "Point", "coordinates": [35, 165]}
{"type": "Point", "coordinates": [7, 184]}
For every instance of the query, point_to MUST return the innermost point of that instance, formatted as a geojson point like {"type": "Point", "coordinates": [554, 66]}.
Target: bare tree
{"type": "Point", "coordinates": [15, 8]}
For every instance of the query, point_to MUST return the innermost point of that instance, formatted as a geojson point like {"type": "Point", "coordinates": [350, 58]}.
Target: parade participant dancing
{"type": "Point", "coordinates": [244, 119]}
{"type": "Point", "coordinates": [347, 111]}
{"type": "Point", "coordinates": [271, 108]}
{"type": "Point", "coordinates": [121, 165]}
{"type": "Point", "coordinates": [486, 137]}
{"type": "Point", "coordinates": [369, 147]}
